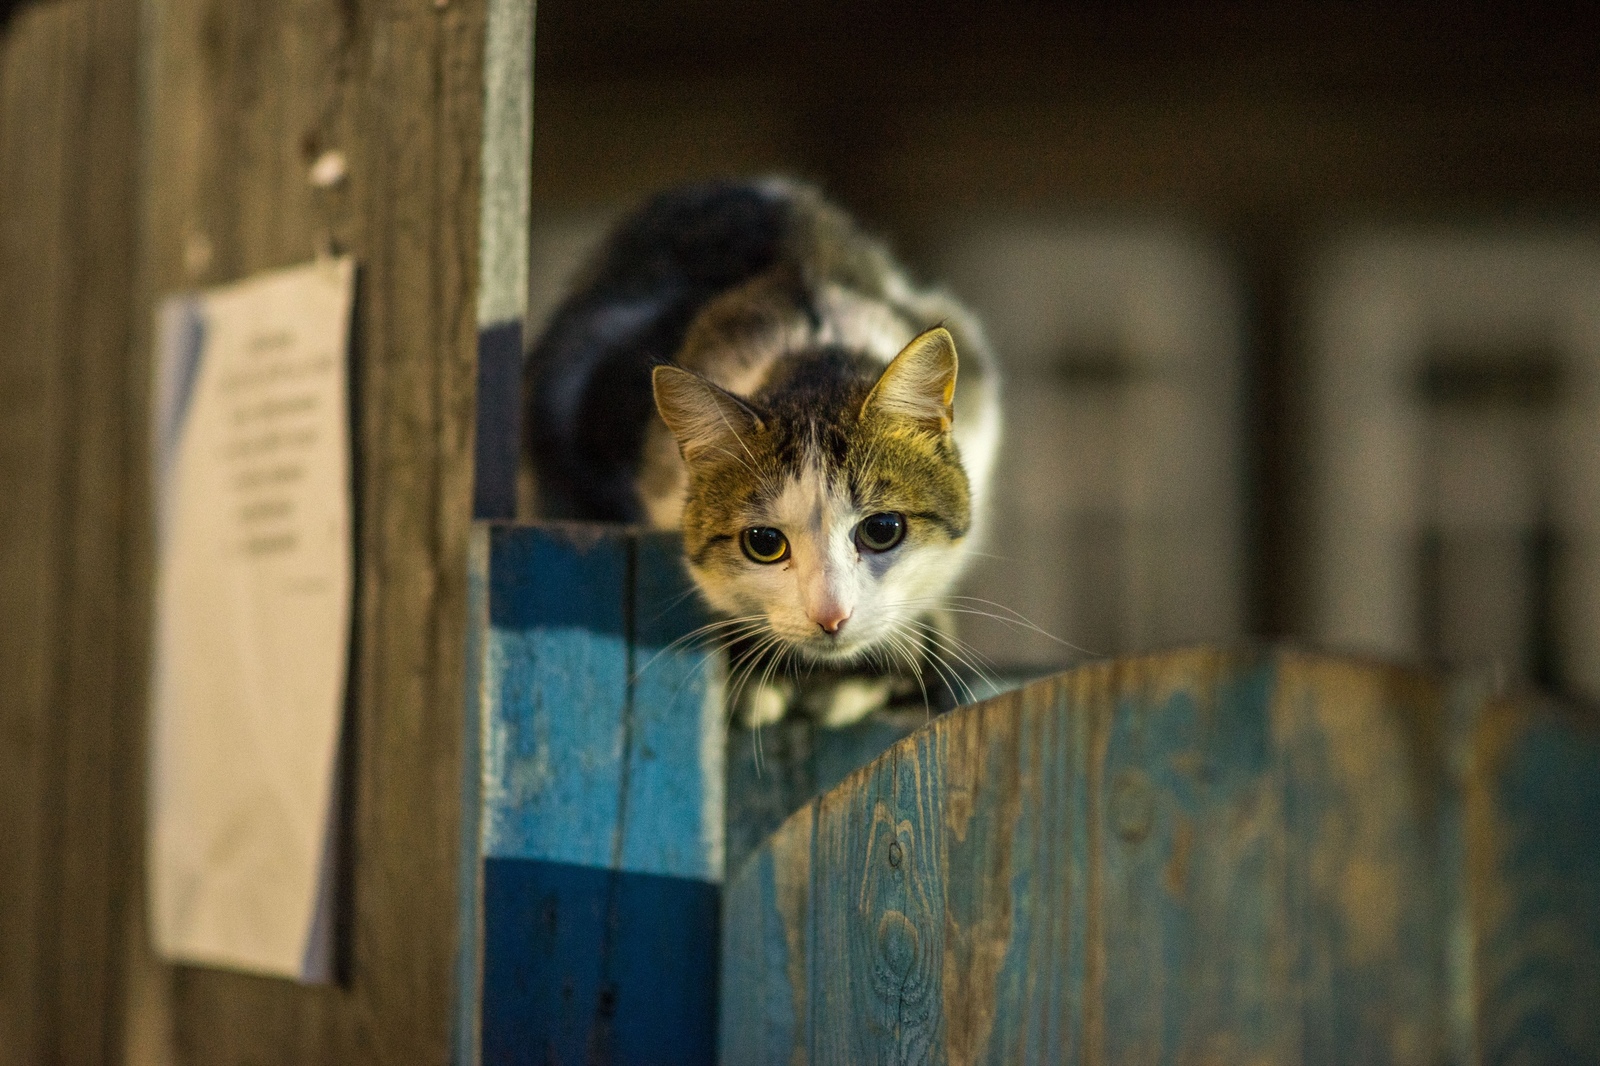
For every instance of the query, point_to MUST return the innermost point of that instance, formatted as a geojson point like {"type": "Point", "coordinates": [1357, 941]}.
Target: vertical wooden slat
{"type": "Point", "coordinates": [240, 100]}
{"type": "Point", "coordinates": [40, 72]}
{"type": "Point", "coordinates": [596, 856]}
{"type": "Point", "coordinates": [1532, 826]}
{"type": "Point", "coordinates": [66, 718]}
{"type": "Point", "coordinates": [99, 683]}
{"type": "Point", "coordinates": [502, 305]}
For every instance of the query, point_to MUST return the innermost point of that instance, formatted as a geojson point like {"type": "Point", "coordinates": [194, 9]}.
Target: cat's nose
{"type": "Point", "coordinates": [831, 619]}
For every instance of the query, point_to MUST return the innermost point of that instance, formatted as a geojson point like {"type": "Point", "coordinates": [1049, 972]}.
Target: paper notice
{"type": "Point", "coordinates": [253, 600]}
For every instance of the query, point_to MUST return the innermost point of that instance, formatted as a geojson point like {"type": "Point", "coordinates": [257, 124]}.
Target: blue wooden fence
{"type": "Point", "coordinates": [597, 824]}
{"type": "Point", "coordinates": [1196, 858]}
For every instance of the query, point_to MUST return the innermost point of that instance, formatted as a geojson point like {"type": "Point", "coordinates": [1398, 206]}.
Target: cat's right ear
{"type": "Point", "coordinates": [703, 418]}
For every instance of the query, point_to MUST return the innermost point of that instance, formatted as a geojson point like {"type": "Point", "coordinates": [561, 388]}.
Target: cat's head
{"type": "Point", "coordinates": [829, 511]}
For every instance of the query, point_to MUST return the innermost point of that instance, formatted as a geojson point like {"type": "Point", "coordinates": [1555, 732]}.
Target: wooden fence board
{"type": "Point", "coordinates": [1533, 885]}
{"type": "Point", "coordinates": [241, 100]}
{"type": "Point", "coordinates": [598, 852]}
{"type": "Point", "coordinates": [1200, 857]}
{"type": "Point", "coordinates": [40, 87]}
{"type": "Point", "coordinates": [603, 786]}
{"type": "Point", "coordinates": [70, 488]}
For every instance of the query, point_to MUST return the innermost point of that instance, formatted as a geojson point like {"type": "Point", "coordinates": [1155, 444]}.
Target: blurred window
{"type": "Point", "coordinates": [1457, 444]}
{"type": "Point", "coordinates": [1117, 523]}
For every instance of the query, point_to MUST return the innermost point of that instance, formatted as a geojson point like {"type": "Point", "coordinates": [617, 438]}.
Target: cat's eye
{"type": "Point", "coordinates": [763, 544]}
{"type": "Point", "coordinates": [880, 532]}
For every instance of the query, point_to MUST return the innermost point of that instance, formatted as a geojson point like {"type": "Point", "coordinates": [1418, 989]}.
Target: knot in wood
{"type": "Point", "coordinates": [895, 853]}
{"type": "Point", "coordinates": [897, 944]}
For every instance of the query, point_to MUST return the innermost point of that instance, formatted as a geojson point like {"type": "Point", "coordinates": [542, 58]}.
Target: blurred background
{"type": "Point", "coordinates": [1299, 305]}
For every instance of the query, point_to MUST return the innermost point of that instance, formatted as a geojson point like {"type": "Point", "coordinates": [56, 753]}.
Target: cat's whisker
{"type": "Point", "coordinates": [969, 656]}
{"type": "Point", "coordinates": [937, 652]}
{"type": "Point", "coordinates": [953, 647]}
{"type": "Point", "coordinates": [679, 598]}
{"type": "Point", "coordinates": [717, 649]}
{"type": "Point", "coordinates": [742, 629]}
{"type": "Point", "coordinates": [750, 622]}
{"type": "Point", "coordinates": [916, 673]}
{"type": "Point", "coordinates": [749, 661]}
{"type": "Point", "coordinates": [773, 661]}
{"type": "Point", "coordinates": [741, 674]}
{"type": "Point", "coordinates": [1012, 618]}
{"type": "Point", "coordinates": [901, 658]}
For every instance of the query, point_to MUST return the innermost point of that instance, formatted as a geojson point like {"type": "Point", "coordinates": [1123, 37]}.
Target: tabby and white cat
{"type": "Point", "coordinates": [741, 362]}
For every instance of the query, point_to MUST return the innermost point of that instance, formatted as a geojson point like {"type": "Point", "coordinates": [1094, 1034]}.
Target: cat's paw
{"type": "Point", "coordinates": [766, 704]}
{"type": "Point", "coordinates": [849, 701]}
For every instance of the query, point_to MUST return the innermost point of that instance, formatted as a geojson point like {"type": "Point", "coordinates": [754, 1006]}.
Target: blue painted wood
{"type": "Point", "coordinates": [774, 771]}
{"type": "Point", "coordinates": [554, 720]}
{"type": "Point", "coordinates": [601, 784]}
{"type": "Point", "coordinates": [634, 942]}
{"type": "Point", "coordinates": [1203, 857]}
{"type": "Point", "coordinates": [677, 736]}
{"type": "Point", "coordinates": [1533, 892]}
{"type": "Point", "coordinates": [595, 853]}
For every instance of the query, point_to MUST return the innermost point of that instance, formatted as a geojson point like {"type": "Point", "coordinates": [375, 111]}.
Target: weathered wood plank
{"type": "Point", "coordinates": [606, 786]}
{"type": "Point", "coordinates": [776, 770]}
{"type": "Point", "coordinates": [596, 859]}
{"type": "Point", "coordinates": [1532, 814]}
{"type": "Point", "coordinates": [1199, 857]}
{"type": "Point", "coordinates": [241, 100]}
{"type": "Point", "coordinates": [40, 83]}
{"type": "Point", "coordinates": [502, 306]}
{"type": "Point", "coordinates": [69, 491]}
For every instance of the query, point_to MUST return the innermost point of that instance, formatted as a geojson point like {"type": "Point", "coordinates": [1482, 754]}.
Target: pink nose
{"type": "Point", "coordinates": [831, 619]}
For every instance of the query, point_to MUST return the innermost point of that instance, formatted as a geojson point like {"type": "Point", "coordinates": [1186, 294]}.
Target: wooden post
{"type": "Point", "coordinates": [71, 491]}
{"type": "Point", "coordinates": [506, 161]}
{"type": "Point", "coordinates": [596, 754]}
{"type": "Point", "coordinates": [240, 103]}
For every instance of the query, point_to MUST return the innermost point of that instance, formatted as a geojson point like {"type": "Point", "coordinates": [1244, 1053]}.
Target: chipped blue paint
{"type": "Point", "coordinates": [595, 853]}
{"type": "Point", "coordinates": [553, 745]}
{"type": "Point", "coordinates": [677, 736]}
{"type": "Point", "coordinates": [1233, 858]}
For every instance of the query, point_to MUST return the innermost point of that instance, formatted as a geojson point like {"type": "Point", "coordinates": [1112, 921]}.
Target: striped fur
{"type": "Point", "coordinates": [801, 385]}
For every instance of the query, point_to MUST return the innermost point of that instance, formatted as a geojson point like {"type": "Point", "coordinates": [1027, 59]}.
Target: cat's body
{"type": "Point", "coordinates": [775, 320]}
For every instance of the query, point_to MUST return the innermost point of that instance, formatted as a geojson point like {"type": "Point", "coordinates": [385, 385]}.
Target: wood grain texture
{"type": "Point", "coordinates": [778, 769]}
{"type": "Point", "coordinates": [241, 99]}
{"type": "Point", "coordinates": [605, 785]}
{"type": "Point", "coordinates": [1195, 858]}
{"type": "Point", "coordinates": [1532, 826]}
{"type": "Point", "coordinates": [596, 736]}
{"type": "Point", "coordinates": [68, 487]}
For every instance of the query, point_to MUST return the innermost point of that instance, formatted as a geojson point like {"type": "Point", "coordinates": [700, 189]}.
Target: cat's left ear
{"type": "Point", "coordinates": [920, 383]}
{"type": "Point", "coordinates": [702, 417]}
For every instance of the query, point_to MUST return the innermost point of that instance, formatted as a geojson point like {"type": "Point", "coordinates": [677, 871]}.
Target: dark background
{"type": "Point", "coordinates": [1265, 126]}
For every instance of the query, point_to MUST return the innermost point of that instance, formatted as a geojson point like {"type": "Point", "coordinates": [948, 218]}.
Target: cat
{"type": "Point", "coordinates": [741, 362]}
